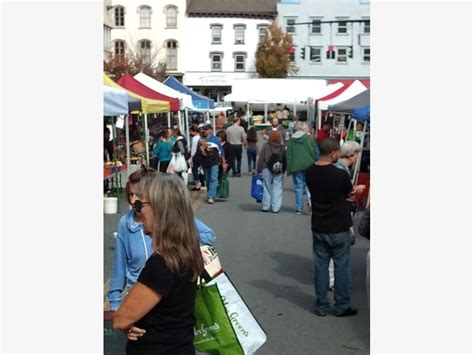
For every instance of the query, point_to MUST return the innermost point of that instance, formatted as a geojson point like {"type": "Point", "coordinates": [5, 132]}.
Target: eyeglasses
{"type": "Point", "coordinates": [138, 205]}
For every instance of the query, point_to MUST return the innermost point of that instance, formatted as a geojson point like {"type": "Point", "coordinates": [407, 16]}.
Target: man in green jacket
{"type": "Point", "coordinates": [301, 153]}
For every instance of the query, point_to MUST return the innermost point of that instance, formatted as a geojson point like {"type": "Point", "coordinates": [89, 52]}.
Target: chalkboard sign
{"type": "Point", "coordinates": [114, 340]}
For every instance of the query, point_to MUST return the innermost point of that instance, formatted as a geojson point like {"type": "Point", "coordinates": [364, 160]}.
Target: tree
{"type": "Point", "coordinates": [133, 63]}
{"type": "Point", "coordinates": [273, 54]}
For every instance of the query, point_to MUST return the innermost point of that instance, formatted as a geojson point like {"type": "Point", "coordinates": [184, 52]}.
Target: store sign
{"type": "Point", "coordinates": [214, 80]}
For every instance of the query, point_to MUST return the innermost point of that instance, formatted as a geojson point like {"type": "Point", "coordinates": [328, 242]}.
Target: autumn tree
{"type": "Point", "coordinates": [273, 54]}
{"type": "Point", "coordinates": [133, 62]}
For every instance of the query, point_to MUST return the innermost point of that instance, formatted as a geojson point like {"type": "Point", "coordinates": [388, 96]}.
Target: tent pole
{"type": "Point", "coordinates": [214, 122]}
{"type": "Point", "coordinates": [319, 118]}
{"type": "Point", "coordinates": [169, 119]}
{"type": "Point", "coordinates": [186, 115]}
{"type": "Point", "coordinates": [266, 112]}
{"type": "Point", "coordinates": [127, 142]}
{"type": "Point", "coordinates": [359, 158]}
{"type": "Point", "coordinates": [147, 140]}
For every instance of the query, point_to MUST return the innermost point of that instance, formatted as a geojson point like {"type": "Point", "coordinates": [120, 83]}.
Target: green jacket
{"type": "Point", "coordinates": [301, 152]}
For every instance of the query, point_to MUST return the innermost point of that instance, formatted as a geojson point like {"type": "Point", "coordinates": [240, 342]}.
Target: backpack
{"type": "Point", "coordinates": [181, 148]}
{"type": "Point", "coordinates": [275, 163]}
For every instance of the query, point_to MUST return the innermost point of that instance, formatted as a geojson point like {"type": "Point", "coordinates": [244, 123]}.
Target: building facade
{"type": "Point", "coordinates": [221, 42]}
{"type": "Point", "coordinates": [328, 45]}
{"type": "Point", "coordinates": [153, 30]}
{"type": "Point", "coordinates": [108, 25]}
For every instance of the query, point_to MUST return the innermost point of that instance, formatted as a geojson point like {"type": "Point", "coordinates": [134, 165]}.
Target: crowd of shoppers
{"type": "Point", "coordinates": [157, 256]}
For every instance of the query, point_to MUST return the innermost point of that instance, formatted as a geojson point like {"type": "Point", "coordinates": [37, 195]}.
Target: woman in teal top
{"type": "Point", "coordinates": [162, 152]}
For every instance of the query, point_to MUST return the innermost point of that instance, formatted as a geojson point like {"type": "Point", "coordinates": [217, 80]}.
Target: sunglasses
{"type": "Point", "coordinates": [138, 205]}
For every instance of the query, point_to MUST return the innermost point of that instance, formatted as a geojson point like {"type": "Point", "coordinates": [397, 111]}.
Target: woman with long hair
{"type": "Point", "coordinates": [272, 165]}
{"type": "Point", "coordinates": [252, 149]}
{"type": "Point", "coordinates": [133, 246]}
{"type": "Point", "coordinates": [158, 313]}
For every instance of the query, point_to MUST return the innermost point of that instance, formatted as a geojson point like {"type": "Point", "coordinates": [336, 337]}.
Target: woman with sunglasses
{"type": "Point", "coordinates": [133, 246]}
{"type": "Point", "coordinates": [158, 313]}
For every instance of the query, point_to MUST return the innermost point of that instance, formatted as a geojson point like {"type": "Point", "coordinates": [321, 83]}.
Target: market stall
{"type": "Point", "coordinates": [358, 110]}
{"type": "Point", "coordinates": [147, 105]}
{"type": "Point", "coordinates": [266, 95]}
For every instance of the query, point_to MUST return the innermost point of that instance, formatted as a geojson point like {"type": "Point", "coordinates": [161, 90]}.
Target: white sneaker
{"type": "Point", "coordinates": [210, 201]}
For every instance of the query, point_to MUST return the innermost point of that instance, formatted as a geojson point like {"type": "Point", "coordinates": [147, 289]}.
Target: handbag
{"type": "Point", "coordinates": [213, 330]}
{"type": "Point", "coordinates": [223, 188]}
{"type": "Point", "coordinates": [256, 190]}
{"type": "Point", "coordinates": [250, 335]}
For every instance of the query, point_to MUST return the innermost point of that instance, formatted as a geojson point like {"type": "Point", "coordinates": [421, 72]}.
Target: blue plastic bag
{"type": "Point", "coordinates": [257, 188]}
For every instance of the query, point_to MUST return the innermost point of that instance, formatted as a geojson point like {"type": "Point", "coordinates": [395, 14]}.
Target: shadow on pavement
{"type": "Point", "coordinates": [250, 207]}
{"type": "Point", "coordinates": [288, 292]}
{"type": "Point", "coordinates": [296, 267]}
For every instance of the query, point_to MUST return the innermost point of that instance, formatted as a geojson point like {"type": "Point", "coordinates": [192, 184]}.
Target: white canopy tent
{"type": "Point", "coordinates": [283, 91]}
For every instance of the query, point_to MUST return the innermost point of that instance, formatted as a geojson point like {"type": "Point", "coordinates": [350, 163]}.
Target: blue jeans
{"type": "Point", "coordinates": [211, 174]}
{"type": "Point", "coordinates": [336, 246]}
{"type": "Point", "coordinates": [299, 181]}
{"type": "Point", "coordinates": [252, 159]}
{"type": "Point", "coordinates": [272, 190]}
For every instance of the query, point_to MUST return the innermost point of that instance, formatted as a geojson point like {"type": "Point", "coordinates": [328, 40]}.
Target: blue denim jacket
{"type": "Point", "coordinates": [132, 249]}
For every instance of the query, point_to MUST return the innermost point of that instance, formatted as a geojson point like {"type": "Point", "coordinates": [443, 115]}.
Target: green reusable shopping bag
{"type": "Point", "coordinates": [213, 332]}
{"type": "Point", "coordinates": [223, 189]}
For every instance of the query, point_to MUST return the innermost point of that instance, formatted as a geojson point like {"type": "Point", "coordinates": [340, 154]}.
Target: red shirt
{"type": "Point", "coordinates": [322, 135]}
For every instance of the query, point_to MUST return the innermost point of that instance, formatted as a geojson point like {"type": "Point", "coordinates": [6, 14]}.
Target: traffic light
{"type": "Point", "coordinates": [330, 53]}
{"type": "Point", "coordinates": [302, 53]}
{"type": "Point", "coordinates": [292, 54]}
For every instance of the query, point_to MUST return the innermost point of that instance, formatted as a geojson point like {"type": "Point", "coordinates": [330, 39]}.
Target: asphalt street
{"type": "Point", "coordinates": [269, 258]}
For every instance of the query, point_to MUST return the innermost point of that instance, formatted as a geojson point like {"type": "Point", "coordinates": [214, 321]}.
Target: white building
{"type": "Point", "coordinates": [350, 41]}
{"type": "Point", "coordinates": [151, 29]}
{"type": "Point", "coordinates": [221, 42]}
{"type": "Point", "coordinates": [108, 25]}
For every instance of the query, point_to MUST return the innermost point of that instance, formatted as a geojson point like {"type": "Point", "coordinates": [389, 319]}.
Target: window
{"type": "Point", "coordinates": [216, 34]}
{"type": "Point", "coordinates": [119, 16]}
{"type": "Point", "coordinates": [366, 27]}
{"type": "Point", "coordinates": [119, 48]}
{"type": "Point", "coordinates": [239, 59]}
{"type": "Point", "coordinates": [316, 26]}
{"type": "Point", "coordinates": [239, 34]}
{"type": "Point", "coordinates": [262, 32]}
{"type": "Point", "coordinates": [145, 51]}
{"type": "Point", "coordinates": [342, 55]}
{"type": "Point", "coordinates": [171, 16]}
{"type": "Point", "coordinates": [216, 61]}
{"type": "Point", "coordinates": [145, 16]}
{"type": "Point", "coordinates": [315, 54]}
{"type": "Point", "coordinates": [366, 55]}
{"type": "Point", "coordinates": [171, 54]}
{"type": "Point", "coordinates": [342, 27]}
{"type": "Point", "coordinates": [107, 35]}
{"type": "Point", "coordinates": [290, 28]}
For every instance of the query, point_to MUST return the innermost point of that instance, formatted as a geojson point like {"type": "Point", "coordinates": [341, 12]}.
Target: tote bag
{"type": "Point", "coordinates": [223, 189]}
{"type": "Point", "coordinates": [256, 190]}
{"type": "Point", "coordinates": [213, 331]}
{"type": "Point", "coordinates": [250, 334]}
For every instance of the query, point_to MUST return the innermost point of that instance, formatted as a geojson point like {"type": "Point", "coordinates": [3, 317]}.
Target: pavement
{"type": "Point", "coordinates": [269, 259]}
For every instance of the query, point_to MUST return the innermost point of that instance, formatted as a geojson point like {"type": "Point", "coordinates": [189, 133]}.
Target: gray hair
{"type": "Point", "coordinates": [302, 126]}
{"type": "Point", "coordinates": [349, 148]}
